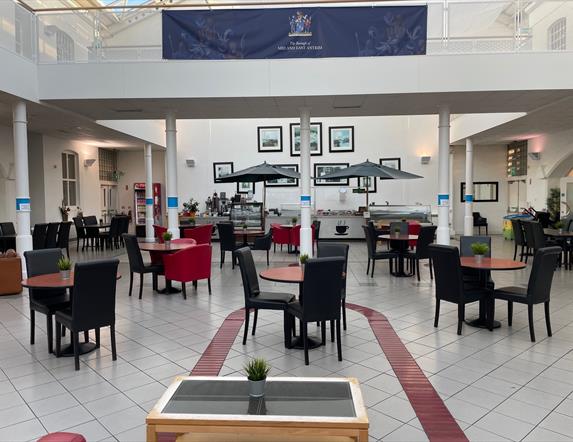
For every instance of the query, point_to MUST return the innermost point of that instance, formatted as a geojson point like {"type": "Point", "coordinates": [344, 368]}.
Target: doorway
{"type": "Point", "coordinates": [108, 202]}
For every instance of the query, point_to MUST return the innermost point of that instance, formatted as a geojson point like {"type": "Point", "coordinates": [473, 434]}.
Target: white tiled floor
{"type": "Point", "coordinates": [498, 385]}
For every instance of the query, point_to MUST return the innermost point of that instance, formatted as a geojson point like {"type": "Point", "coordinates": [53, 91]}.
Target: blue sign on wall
{"type": "Point", "coordinates": [294, 33]}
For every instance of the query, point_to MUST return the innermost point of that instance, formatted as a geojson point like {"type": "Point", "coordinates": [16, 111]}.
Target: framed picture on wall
{"type": "Point", "coordinates": [394, 163]}
{"type": "Point", "coordinates": [484, 192]}
{"type": "Point", "coordinates": [270, 138]}
{"type": "Point", "coordinates": [321, 169]}
{"type": "Point", "coordinates": [221, 169]}
{"type": "Point", "coordinates": [367, 182]}
{"type": "Point", "coordinates": [315, 139]}
{"type": "Point", "coordinates": [285, 182]}
{"type": "Point", "coordinates": [245, 187]}
{"type": "Point", "coordinates": [341, 139]}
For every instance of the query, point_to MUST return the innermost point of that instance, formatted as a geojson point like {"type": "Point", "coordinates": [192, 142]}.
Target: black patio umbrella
{"type": "Point", "coordinates": [262, 172]}
{"type": "Point", "coordinates": [369, 169]}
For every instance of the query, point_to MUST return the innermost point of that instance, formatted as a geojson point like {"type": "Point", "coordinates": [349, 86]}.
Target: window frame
{"type": "Point", "coordinates": [69, 182]}
{"type": "Point", "coordinates": [557, 35]}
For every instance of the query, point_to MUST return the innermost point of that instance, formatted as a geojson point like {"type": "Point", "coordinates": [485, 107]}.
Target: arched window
{"type": "Point", "coordinates": [557, 35]}
{"type": "Point", "coordinates": [70, 178]}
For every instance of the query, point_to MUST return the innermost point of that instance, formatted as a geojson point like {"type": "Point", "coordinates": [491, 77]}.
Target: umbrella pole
{"type": "Point", "coordinates": [367, 209]}
{"type": "Point", "coordinates": [264, 202]}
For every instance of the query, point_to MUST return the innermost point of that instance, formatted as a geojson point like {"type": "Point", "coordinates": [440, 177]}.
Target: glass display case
{"type": "Point", "coordinates": [420, 213]}
{"type": "Point", "coordinates": [248, 213]}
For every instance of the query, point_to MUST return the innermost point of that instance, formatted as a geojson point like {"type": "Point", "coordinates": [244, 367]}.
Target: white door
{"type": "Point", "coordinates": [108, 202]}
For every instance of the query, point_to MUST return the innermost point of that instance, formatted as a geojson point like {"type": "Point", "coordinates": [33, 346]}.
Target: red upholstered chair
{"type": "Point", "coordinates": [188, 265]}
{"type": "Point", "coordinates": [295, 235]}
{"type": "Point", "coordinates": [202, 234]}
{"type": "Point", "coordinates": [413, 229]}
{"type": "Point", "coordinates": [158, 232]}
{"type": "Point", "coordinates": [281, 235]}
{"type": "Point", "coordinates": [61, 436]}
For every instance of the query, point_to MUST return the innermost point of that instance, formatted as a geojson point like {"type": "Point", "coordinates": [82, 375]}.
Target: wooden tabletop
{"type": "Point", "coordinates": [291, 274]}
{"type": "Point", "coordinates": [491, 263]}
{"type": "Point", "coordinates": [97, 226]}
{"type": "Point", "coordinates": [161, 248]}
{"type": "Point", "coordinates": [288, 226]}
{"type": "Point", "coordinates": [51, 281]}
{"type": "Point", "coordinates": [399, 237]}
{"type": "Point", "coordinates": [241, 232]}
{"type": "Point", "coordinates": [557, 234]}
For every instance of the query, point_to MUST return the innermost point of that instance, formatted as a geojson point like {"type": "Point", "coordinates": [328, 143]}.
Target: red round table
{"type": "Point", "coordinates": [404, 241]}
{"type": "Point", "coordinates": [488, 265]}
{"type": "Point", "coordinates": [55, 281]}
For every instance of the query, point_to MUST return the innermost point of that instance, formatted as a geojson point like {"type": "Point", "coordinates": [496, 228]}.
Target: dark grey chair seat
{"type": "Point", "coordinates": [49, 305]}
{"type": "Point", "coordinates": [268, 299]}
{"type": "Point", "coordinates": [510, 293]}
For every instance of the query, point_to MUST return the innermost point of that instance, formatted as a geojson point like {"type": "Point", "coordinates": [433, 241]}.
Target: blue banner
{"type": "Point", "coordinates": [294, 33]}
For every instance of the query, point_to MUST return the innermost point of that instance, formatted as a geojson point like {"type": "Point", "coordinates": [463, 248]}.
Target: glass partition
{"type": "Point", "coordinates": [250, 214]}
{"type": "Point", "coordinates": [419, 213]}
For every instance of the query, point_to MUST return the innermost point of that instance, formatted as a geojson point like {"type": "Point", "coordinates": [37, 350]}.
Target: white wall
{"type": "Point", "coordinates": [209, 141]}
{"type": "Point", "coordinates": [7, 175]}
{"type": "Point", "coordinates": [489, 165]}
{"type": "Point", "coordinates": [543, 16]}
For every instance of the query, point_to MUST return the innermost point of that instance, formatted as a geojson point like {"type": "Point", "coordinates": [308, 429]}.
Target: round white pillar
{"type": "Point", "coordinates": [149, 234]}
{"type": "Point", "coordinates": [23, 236]}
{"type": "Point", "coordinates": [451, 192]}
{"type": "Point", "coordinates": [305, 197]}
{"type": "Point", "coordinates": [171, 178]}
{"type": "Point", "coordinates": [443, 232]}
{"type": "Point", "coordinates": [469, 195]}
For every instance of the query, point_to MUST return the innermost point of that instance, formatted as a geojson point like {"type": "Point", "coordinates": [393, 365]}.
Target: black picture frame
{"type": "Point", "coordinates": [371, 189]}
{"type": "Point", "coordinates": [332, 140]}
{"type": "Point", "coordinates": [216, 177]}
{"type": "Point", "coordinates": [293, 137]}
{"type": "Point", "coordinates": [397, 162]}
{"type": "Point", "coordinates": [339, 182]}
{"type": "Point", "coordinates": [480, 200]}
{"type": "Point", "coordinates": [284, 182]}
{"type": "Point", "coordinates": [252, 187]}
{"type": "Point", "coordinates": [261, 139]}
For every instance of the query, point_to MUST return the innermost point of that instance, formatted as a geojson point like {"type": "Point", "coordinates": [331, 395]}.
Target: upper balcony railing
{"type": "Point", "coordinates": [134, 34]}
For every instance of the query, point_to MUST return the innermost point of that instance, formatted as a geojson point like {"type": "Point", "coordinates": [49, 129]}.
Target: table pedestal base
{"type": "Point", "coordinates": [85, 347]}
{"type": "Point", "coordinates": [482, 323]}
{"type": "Point", "coordinates": [312, 343]}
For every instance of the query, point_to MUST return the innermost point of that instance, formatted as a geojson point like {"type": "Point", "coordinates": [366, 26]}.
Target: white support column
{"type": "Point", "coordinates": [305, 197]}
{"type": "Point", "coordinates": [451, 192]}
{"type": "Point", "coordinates": [23, 236]}
{"type": "Point", "coordinates": [443, 232]}
{"type": "Point", "coordinates": [469, 196]}
{"type": "Point", "coordinates": [171, 178]}
{"type": "Point", "coordinates": [149, 234]}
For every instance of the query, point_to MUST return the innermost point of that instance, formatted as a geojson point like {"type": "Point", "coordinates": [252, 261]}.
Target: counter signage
{"type": "Point", "coordinates": [294, 32]}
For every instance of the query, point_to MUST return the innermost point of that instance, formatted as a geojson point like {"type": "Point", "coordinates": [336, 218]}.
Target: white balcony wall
{"type": "Point", "coordinates": [543, 15]}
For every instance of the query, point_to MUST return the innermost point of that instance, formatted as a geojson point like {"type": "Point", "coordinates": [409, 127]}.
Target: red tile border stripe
{"type": "Point", "coordinates": [436, 419]}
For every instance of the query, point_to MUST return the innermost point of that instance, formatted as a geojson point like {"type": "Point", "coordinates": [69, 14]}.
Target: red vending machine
{"type": "Point", "coordinates": [139, 215]}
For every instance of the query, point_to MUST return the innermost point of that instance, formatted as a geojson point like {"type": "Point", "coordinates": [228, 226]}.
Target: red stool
{"type": "Point", "coordinates": [62, 437]}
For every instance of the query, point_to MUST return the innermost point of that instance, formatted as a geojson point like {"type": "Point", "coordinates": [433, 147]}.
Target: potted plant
{"type": "Point", "coordinates": [559, 226]}
{"type": "Point", "coordinates": [257, 370]}
{"type": "Point", "coordinates": [64, 211]}
{"type": "Point", "coordinates": [65, 266]}
{"type": "Point", "coordinates": [245, 225]}
{"type": "Point", "coordinates": [479, 249]}
{"type": "Point", "coordinates": [190, 208]}
{"type": "Point", "coordinates": [294, 220]}
{"type": "Point", "coordinates": [397, 231]}
{"type": "Point", "coordinates": [167, 238]}
{"type": "Point", "coordinates": [303, 258]}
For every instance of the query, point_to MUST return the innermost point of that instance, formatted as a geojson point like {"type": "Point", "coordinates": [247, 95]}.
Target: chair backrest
{"type": "Point", "coordinates": [316, 224]}
{"type": "Point", "coordinates": [425, 238]}
{"type": "Point", "coordinates": [90, 220]}
{"type": "Point", "coordinates": [114, 227]}
{"type": "Point", "coordinates": [79, 225]}
{"type": "Point", "coordinates": [399, 225]}
{"type": "Point", "coordinates": [331, 250]}
{"type": "Point", "coordinates": [158, 232]}
{"type": "Point", "coordinates": [264, 242]}
{"type": "Point", "coordinates": [7, 228]}
{"type": "Point", "coordinates": [42, 262]}
{"type": "Point", "coordinates": [201, 234]}
{"type": "Point", "coordinates": [133, 253]}
{"type": "Point", "coordinates": [227, 236]}
{"type": "Point", "coordinates": [370, 242]}
{"type": "Point", "coordinates": [94, 294]}
{"type": "Point", "coordinates": [322, 289]}
{"type": "Point", "coordinates": [570, 225]}
{"type": "Point", "coordinates": [544, 218]}
{"type": "Point", "coordinates": [467, 241]}
{"type": "Point", "coordinates": [541, 276]}
{"type": "Point", "coordinates": [64, 234]}
{"type": "Point", "coordinates": [448, 272]}
{"type": "Point", "coordinates": [248, 273]}
{"type": "Point", "coordinates": [124, 224]}
{"type": "Point", "coordinates": [39, 236]}
{"type": "Point", "coordinates": [539, 240]}
{"type": "Point", "coordinates": [52, 235]}
{"type": "Point", "coordinates": [518, 235]}
{"type": "Point", "coordinates": [189, 264]}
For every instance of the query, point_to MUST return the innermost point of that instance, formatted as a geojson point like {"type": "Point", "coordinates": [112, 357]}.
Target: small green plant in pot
{"type": "Point", "coordinates": [303, 258]}
{"type": "Point", "coordinates": [65, 266]}
{"type": "Point", "coordinates": [257, 370]}
{"type": "Point", "coordinates": [479, 249]}
{"type": "Point", "coordinates": [167, 236]}
{"type": "Point", "coordinates": [294, 220]}
{"type": "Point", "coordinates": [559, 225]}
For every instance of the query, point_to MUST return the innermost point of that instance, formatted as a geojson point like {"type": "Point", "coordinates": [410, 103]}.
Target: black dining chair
{"type": "Point", "coordinates": [538, 289]}
{"type": "Point", "coordinates": [257, 299]}
{"type": "Point", "coordinates": [93, 305]}
{"type": "Point", "coordinates": [110, 239]}
{"type": "Point", "coordinates": [52, 236]}
{"type": "Point", "coordinates": [64, 237]}
{"type": "Point", "coordinates": [520, 243]}
{"type": "Point", "coordinates": [320, 299]}
{"type": "Point", "coordinates": [136, 264]}
{"type": "Point", "coordinates": [46, 301]}
{"type": "Point", "coordinates": [39, 236]}
{"type": "Point", "coordinates": [534, 232]}
{"type": "Point", "coordinates": [92, 231]}
{"type": "Point", "coordinates": [474, 276]}
{"type": "Point", "coordinates": [373, 254]}
{"type": "Point", "coordinates": [479, 222]}
{"type": "Point", "coordinates": [330, 250]}
{"type": "Point", "coordinates": [227, 241]}
{"type": "Point", "coordinates": [425, 238]}
{"type": "Point", "coordinates": [450, 284]}
{"type": "Point", "coordinates": [80, 232]}
{"type": "Point", "coordinates": [8, 229]}
{"type": "Point", "coordinates": [264, 243]}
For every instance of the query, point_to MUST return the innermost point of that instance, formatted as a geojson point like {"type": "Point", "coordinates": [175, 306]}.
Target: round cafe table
{"type": "Point", "coordinates": [160, 248]}
{"type": "Point", "coordinates": [245, 233]}
{"type": "Point", "coordinates": [403, 240]}
{"type": "Point", "coordinates": [487, 265]}
{"type": "Point", "coordinates": [55, 281]}
{"type": "Point", "coordinates": [289, 275]}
